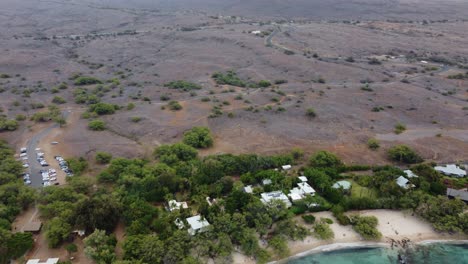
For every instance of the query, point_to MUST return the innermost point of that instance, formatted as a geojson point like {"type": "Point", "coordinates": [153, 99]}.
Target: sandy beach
{"type": "Point", "coordinates": [395, 225]}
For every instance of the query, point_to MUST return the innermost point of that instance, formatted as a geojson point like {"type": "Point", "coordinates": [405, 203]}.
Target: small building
{"type": "Point", "coordinates": [295, 196]}
{"type": "Point", "coordinates": [302, 178]}
{"type": "Point", "coordinates": [197, 224]}
{"type": "Point", "coordinates": [286, 167]}
{"type": "Point", "coordinates": [460, 194]}
{"type": "Point", "coordinates": [451, 170]}
{"type": "Point", "coordinates": [345, 185]}
{"type": "Point", "coordinates": [410, 174]}
{"type": "Point", "coordinates": [33, 227]}
{"type": "Point", "coordinates": [276, 195]}
{"type": "Point", "coordinates": [174, 205]}
{"type": "Point", "coordinates": [306, 189]}
{"type": "Point", "coordinates": [48, 261]}
{"type": "Point", "coordinates": [266, 182]}
{"type": "Point", "coordinates": [404, 183]}
{"type": "Point", "coordinates": [248, 189]}
{"type": "Point", "coordinates": [256, 32]}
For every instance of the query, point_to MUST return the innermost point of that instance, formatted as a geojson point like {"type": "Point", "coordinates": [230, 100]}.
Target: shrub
{"type": "Point", "coordinates": [310, 112]}
{"type": "Point", "coordinates": [374, 61]}
{"type": "Point", "coordinates": [8, 124]}
{"type": "Point", "coordinates": [130, 106]}
{"type": "Point", "coordinates": [97, 125]}
{"type": "Point", "coordinates": [373, 144]}
{"type": "Point", "coordinates": [403, 153]}
{"type": "Point", "coordinates": [20, 117]}
{"type": "Point", "coordinates": [136, 119]}
{"type": "Point", "coordinates": [366, 227]}
{"type": "Point", "coordinates": [281, 81]}
{"type": "Point", "coordinates": [86, 80]}
{"type": "Point", "coordinates": [264, 83]}
{"type": "Point", "coordinates": [165, 97]}
{"type": "Point", "coordinates": [399, 128]}
{"type": "Point", "coordinates": [102, 108]}
{"type": "Point", "coordinates": [103, 157]}
{"type": "Point", "coordinates": [198, 137]}
{"type": "Point", "coordinates": [229, 78]}
{"type": "Point", "coordinates": [58, 100]}
{"type": "Point", "coordinates": [183, 85]}
{"type": "Point", "coordinates": [174, 106]}
{"type": "Point", "coordinates": [309, 219]}
{"type": "Point", "coordinates": [323, 231]}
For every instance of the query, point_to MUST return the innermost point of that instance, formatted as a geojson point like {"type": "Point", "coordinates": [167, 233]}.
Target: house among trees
{"type": "Point", "coordinates": [451, 170]}
{"type": "Point", "coordinates": [460, 194]}
{"type": "Point", "coordinates": [345, 185]}
{"type": "Point", "coordinates": [276, 195]}
{"type": "Point", "coordinates": [248, 189]}
{"type": "Point", "coordinates": [174, 205]}
{"type": "Point", "coordinates": [302, 178]}
{"type": "Point", "coordinates": [266, 182]}
{"type": "Point", "coordinates": [410, 174]}
{"type": "Point", "coordinates": [48, 261]}
{"type": "Point", "coordinates": [286, 167]}
{"type": "Point", "coordinates": [404, 183]}
{"type": "Point", "coordinates": [197, 224]}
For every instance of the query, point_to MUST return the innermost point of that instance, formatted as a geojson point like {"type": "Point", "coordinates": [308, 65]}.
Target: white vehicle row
{"type": "Point", "coordinates": [64, 165]}
{"type": "Point", "coordinates": [49, 177]}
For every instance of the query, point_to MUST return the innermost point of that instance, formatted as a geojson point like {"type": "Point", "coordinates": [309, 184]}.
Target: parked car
{"type": "Point", "coordinates": [23, 150]}
{"type": "Point", "coordinates": [25, 165]}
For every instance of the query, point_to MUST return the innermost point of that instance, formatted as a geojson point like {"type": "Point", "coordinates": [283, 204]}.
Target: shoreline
{"type": "Point", "coordinates": [393, 224]}
{"type": "Point", "coordinates": [340, 246]}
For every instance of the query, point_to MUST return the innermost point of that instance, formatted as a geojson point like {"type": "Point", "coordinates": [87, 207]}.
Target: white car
{"type": "Point", "coordinates": [24, 158]}
{"type": "Point", "coordinates": [53, 179]}
{"type": "Point", "coordinates": [25, 165]}
{"type": "Point", "coordinates": [27, 182]}
{"type": "Point", "coordinates": [23, 155]}
{"type": "Point", "coordinates": [38, 149]}
{"type": "Point", "coordinates": [54, 142]}
{"type": "Point", "coordinates": [23, 150]}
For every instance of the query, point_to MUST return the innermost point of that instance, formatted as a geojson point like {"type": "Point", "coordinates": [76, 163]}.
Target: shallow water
{"type": "Point", "coordinates": [436, 253]}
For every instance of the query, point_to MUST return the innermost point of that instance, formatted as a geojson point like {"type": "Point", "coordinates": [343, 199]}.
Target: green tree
{"type": "Point", "coordinates": [57, 230]}
{"type": "Point", "coordinates": [373, 144]}
{"type": "Point", "coordinates": [366, 227]}
{"type": "Point", "coordinates": [325, 159]}
{"type": "Point", "coordinates": [403, 153]}
{"type": "Point", "coordinates": [323, 231]}
{"type": "Point", "coordinates": [100, 247]}
{"type": "Point", "coordinates": [198, 137]}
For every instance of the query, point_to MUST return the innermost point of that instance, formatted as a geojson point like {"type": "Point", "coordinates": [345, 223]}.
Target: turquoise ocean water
{"type": "Point", "coordinates": [436, 253]}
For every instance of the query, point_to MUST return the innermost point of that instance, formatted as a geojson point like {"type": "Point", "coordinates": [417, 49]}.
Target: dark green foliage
{"type": "Point", "coordinates": [323, 231]}
{"type": "Point", "coordinates": [310, 112]}
{"type": "Point", "coordinates": [86, 80]}
{"type": "Point", "coordinates": [264, 83]}
{"type": "Point", "coordinates": [77, 165]}
{"type": "Point", "coordinates": [309, 219]}
{"type": "Point", "coordinates": [8, 124]}
{"type": "Point", "coordinates": [97, 125]}
{"type": "Point", "coordinates": [100, 247]}
{"type": "Point", "coordinates": [373, 144]}
{"type": "Point", "coordinates": [180, 151]}
{"type": "Point", "coordinates": [58, 100]}
{"type": "Point", "coordinates": [229, 78]}
{"type": "Point", "coordinates": [324, 159]}
{"type": "Point", "coordinates": [446, 215]}
{"type": "Point", "coordinates": [183, 85]}
{"type": "Point", "coordinates": [174, 106]}
{"type": "Point", "coordinates": [366, 227]}
{"type": "Point", "coordinates": [102, 108]}
{"type": "Point", "coordinates": [103, 157]}
{"type": "Point", "coordinates": [198, 137]}
{"type": "Point", "coordinates": [403, 153]}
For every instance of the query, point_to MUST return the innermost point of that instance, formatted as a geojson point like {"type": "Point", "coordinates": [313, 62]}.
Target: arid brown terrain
{"type": "Point", "coordinates": [364, 66]}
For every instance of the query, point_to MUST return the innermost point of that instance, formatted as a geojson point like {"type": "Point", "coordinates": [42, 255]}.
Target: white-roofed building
{"type": "Point", "coordinates": [404, 183]}
{"type": "Point", "coordinates": [174, 205]}
{"type": "Point", "coordinates": [197, 224]}
{"type": "Point", "coordinates": [306, 189]}
{"type": "Point", "coordinates": [276, 195]}
{"type": "Point", "coordinates": [410, 174]}
{"type": "Point", "coordinates": [451, 170]}
{"type": "Point", "coordinates": [248, 189]}
{"type": "Point", "coordinates": [286, 167]}
{"type": "Point", "coordinates": [345, 185]}
{"type": "Point", "coordinates": [295, 195]}
{"type": "Point", "coordinates": [302, 178]}
{"type": "Point", "coordinates": [48, 261]}
{"type": "Point", "coordinates": [266, 182]}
